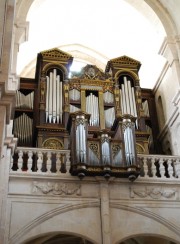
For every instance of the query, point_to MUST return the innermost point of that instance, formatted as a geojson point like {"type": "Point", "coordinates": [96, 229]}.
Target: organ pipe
{"type": "Point", "coordinates": [127, 97]}
{"type": "Point", "coordinates": [24, 101]}
{"type": "Point", "coordinates": [93, 109]}
{"type": "Point", "coordinates": [54, 93]}
{"type": "Point", "coordinates": [23, 129]}
{"type": "Point", "coordinates": [129, 141]}
{"type": "Point", "coordinates": [80, 140]}
{"type": "Point", "coordinates": [105, 147]}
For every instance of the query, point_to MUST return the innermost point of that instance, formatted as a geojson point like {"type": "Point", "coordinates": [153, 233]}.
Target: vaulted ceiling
{"type": "Point", "coordinates": [95, 31]}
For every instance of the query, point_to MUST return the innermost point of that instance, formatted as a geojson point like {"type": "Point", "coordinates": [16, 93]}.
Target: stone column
{"type": "Point", "coordinates": [105, 213]}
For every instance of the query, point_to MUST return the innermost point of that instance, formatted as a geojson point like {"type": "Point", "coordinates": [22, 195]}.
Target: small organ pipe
{"type": "Point", "coordinates": [47, 98]}
{"type": "Point", "coordinates": [54, 95]}
{"type": "Point", "coordinates": [58, 97]}
{"type": "Point", "coordinates": [50, 97]}
{"type": "Point", "coordinates": [134, 102]}
{"type": "Point", "coordinates": [60, 106]}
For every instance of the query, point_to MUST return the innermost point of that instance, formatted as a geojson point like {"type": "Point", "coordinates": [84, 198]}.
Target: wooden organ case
{"type": "Point", "coordinates": [102, 117]}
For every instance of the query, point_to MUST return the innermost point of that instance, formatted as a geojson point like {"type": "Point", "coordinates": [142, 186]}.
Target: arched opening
{"type": "Point", "coordinates": [147, 240]}
{"type": "Point", "coordinates": [103, 42]}
{"type": "Point", "coordinates": [56, 238]}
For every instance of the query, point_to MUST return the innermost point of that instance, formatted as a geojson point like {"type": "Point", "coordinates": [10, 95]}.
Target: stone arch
{"type": "Point", "coordinates": [52, 235]}
{"type": "Point", "coordinates": [66, 219]}
{"type": "Point", "coordinates": [140, 221]}
{"type": "Point", "coordinates": [152, 238]}
{"type": "Point", "coordinates": [23, 7]}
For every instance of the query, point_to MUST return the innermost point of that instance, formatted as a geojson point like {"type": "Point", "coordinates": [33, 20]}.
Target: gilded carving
{"type": "Point", "coordinates": [95, 148]}
{"type": "Point", "coordinates": [53, 143]}
{"type": "Point", "coordinates": [115, 149]}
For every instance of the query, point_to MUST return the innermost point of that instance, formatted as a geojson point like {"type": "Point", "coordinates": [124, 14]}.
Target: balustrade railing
{"type": "Point", "coordinates": [39, 160]}
{"type": "Point", "coordinates": [48, 161]}
{"type": "Point", "coordinates": [159, 166]}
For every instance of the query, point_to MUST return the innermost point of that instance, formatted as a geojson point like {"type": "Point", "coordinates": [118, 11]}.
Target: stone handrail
{"type": "Point", "coordinates": [49, 161]}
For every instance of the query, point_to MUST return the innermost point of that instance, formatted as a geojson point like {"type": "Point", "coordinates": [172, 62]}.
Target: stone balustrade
{"type": "Point", "coordinates": [40, 161]}
{"type": "Point", "coordinates": [159, 166]}
{"type": "Point", "coordinates": [48, 161]}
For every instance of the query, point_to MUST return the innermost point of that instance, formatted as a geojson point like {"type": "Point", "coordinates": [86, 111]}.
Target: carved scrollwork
{"type": "Point", "coordinates": [80, 121]}
{"type": "Point", "coordinates": [115, 149]}
{"type": "Point", "coordinates": [95, 148]}
{"type": "Point", "coordinates": [154, 193]}
{"type": "Point", "coordinates": [56, 188]}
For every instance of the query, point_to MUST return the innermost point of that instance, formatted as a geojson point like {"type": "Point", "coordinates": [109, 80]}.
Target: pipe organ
{"type": "Point", "coordinates": [93, 114]}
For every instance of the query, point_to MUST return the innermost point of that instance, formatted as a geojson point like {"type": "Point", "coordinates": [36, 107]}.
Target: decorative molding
{"type": "Point", "coordinates": [56, 54]}
{"type": "Point", "coordinates": [153, 192]}
{"type": "Point", "coordinates": [56, 188]}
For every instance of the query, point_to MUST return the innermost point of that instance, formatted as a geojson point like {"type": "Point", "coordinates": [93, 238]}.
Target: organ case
{"type": "Point", "coordinates": [105, 118]}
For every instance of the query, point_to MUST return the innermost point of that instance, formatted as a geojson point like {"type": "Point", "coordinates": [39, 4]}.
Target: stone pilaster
{"type": "Point", "coordinates": [105, 213]}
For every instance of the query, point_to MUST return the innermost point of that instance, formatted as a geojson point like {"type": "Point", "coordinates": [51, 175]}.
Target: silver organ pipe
{"type": "Point", "coordinates": [127, 96]}
{"type": "Point", "coordinates": [24, 101]}
{"type": "Point", "coordinates": [23, 129]}
{"type": "Point", "coordinates": [58, 98]}
{"type": "Point", "coordinates": [93, 159]}
{"type": "Point", "coordinates": [134, 102]}
{"type": "Point", "coordinates": [73, 108]}
{"type": "Point", "coordinates": [47, 98]}
{"type": "Point", "coordinates": [117, 160]}
{"type": "Point", "coordinates": [74, 95]}
{"type": "Point", "coordinates": [54, 102]}
{"type": "Point", "coordinates": [105, 149]}
{"type": "Point", "coordinates": [129, 143]}
{"type": "Point", "coordinates": [109, 116]}
{"type": "Point", "coordinates": [128, 104]}
{"type": "Point", "coordinates": [81, 141]}
{"type": "Point", "coordinates": [92, 107]}
{"type": "Point", "coordinates": [108, 97]}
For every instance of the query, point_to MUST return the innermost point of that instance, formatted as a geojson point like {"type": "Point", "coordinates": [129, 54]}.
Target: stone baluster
{"type": "Point", "coordinates": [68, 163]}
{"type": "Point", "coordinates": [30, 161]}
{"type": "Point", "coordinates": [170, 168]}
{"type": "Point", "coordinates": [63, 163]}
{"type": "Point", "coordinates": [145, 165]}
{"type": "Point", "coordinates": [39, 162]}
{"type": "Point", "coordinates": [162, 168]}
{"type": "Point", "coordinates": [177, 168]}
{"type": "Point", "coordinates": [20, 161]}
{"type": "Point", "coordinates": [58, 163]}
{"type": "Point", "coordinates": [48, 162]}
{"type": "Point", "coordinates": [153, 167]}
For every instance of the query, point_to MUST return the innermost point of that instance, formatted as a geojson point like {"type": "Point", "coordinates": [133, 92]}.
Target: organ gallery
{"type": "Point", "coordinates": [103, 117]}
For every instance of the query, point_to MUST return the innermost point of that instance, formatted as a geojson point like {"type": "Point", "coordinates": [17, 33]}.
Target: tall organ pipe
{"type": "Point", "coordinates": [54, 100]}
